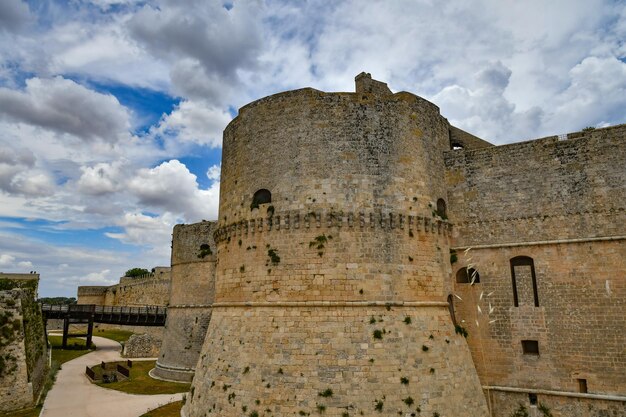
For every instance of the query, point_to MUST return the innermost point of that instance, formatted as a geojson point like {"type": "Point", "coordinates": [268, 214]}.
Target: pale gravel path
{"type": "Point", "coordinates": [74, 396]}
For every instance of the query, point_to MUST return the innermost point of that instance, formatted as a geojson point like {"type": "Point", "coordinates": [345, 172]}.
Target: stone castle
{"type": "Point", "coordinates": [372, 259]}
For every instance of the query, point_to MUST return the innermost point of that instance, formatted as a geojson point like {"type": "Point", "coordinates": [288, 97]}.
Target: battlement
{"type": "Point", "coordinates": [323, 219]}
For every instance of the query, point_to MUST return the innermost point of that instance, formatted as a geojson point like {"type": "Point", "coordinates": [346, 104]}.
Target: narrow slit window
{"type": "Point", "coordinates": [582, 386]}
{"type": "Point", "coordinates": [532, 398]}
{"type": "Point", "coordinates": [524, 281]}
{"type": "Point", "coordinates": [442, 211]}
{"type": "Point", "coordinates": [451, 308]}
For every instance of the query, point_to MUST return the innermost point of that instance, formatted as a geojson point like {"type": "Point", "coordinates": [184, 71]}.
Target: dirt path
{"type": "Point", "coordinates": [74, 396]}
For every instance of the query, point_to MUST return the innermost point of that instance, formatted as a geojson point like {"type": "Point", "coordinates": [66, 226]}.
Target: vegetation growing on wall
{"type": "Point", "coordinates": [136, 272]}
{"type": "Point", "coordinates": [205, 250]}
{"type": "Point", "coordinates": [10, 284]}
{"type": "Point", "coordinates": [9, 330]}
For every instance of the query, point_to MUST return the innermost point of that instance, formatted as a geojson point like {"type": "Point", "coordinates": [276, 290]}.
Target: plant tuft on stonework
{"type": "Point", "coordinates": [377, 334]}
{"type": "Point", "coordinates": [458, 329]}
{"type": "Point", "coordinates": [453, 257]}
{"type": "Point", "coordinates": [520, 412]}
{"type": "Point", "coordinates": [326, 393]}
{"type": "Point", "coordinates": [273, 255]}
{"type": "Point", "coordinates": [408, 401]}
{"type": "Point", "coordinates": [404, 380]}
{"type": "Point", "coordinates": [205, 250]}
{"type": "Point", "coordinates": [544, 410]}
{"type": "Point", "coordinates": [378, 405]}
{"type": "Point", "coordinates": [407, 320]}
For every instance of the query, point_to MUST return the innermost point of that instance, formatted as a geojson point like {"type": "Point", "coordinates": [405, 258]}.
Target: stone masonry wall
{"type": "Point", "coordinates": [539, 190]}
{"type": "Point", "coordinates": [349, 238]}
{"type": "Point", "coordinates": [191, 297]}
{"type": "Point", "coordinates": [566, 199]}
{"type": "Point", "coordinates": [15, 390]}
{"type": "Point", "coordinates": [150, 290]}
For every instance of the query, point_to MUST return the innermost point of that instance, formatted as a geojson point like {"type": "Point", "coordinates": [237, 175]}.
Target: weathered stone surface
{"type": "Point", "coordinates": [142, 346]}
{"type": "Point", "coordinates": [340, 282]}
{"type": "Point", "coordinates": [152, 289]}
{"type": "Point", "coordinates": [191, 296]}
{"type": "Point", "coordinates": [23, 353]}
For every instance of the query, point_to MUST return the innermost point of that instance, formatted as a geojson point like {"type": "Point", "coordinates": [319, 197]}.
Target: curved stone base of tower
{"type": "Point", "coordinates": [185, 334]}
{"type": "Point", "coordinates": [191, 296]}
{"type": "Point", "coordinates": [339, 359]}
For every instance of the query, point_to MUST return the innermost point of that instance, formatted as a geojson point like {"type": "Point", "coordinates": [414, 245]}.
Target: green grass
{"type": "Point", "coordinates": [120, 336]}
{"type": "Point", "coordinates": [34, 412]}
{"type": "Point", "coordinates": [168, 410]}
{"type": "Point", "coordinates": [141, 383]}
{"type": "Point", "coordinates": [76, 348]}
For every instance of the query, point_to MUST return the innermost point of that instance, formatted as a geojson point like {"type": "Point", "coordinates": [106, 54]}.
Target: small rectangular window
{"type": "Point", "coordinates": [582, 385]}
{"type": "Point", "coordinates": [532, 398]}
{"type": "Point", "coordinates": [530, 347]}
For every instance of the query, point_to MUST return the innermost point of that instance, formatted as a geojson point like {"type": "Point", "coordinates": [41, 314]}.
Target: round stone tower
{"type": "Point", "coordinates": [333, 258]}
{"type": "Point", "coordinates": [191, 296]}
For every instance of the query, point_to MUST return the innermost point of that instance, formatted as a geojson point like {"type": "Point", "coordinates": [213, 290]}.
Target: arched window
{"type": "Point", "coordinates": [467, 276]}
{"type": "Point", "coordinates": [451, 308]}
{"type": "Point", "coordinates": [441, 208]}
{"type": "Point", "coordinates": [262, 196]}
{"type": "Point", "coordinates": [524, 281]}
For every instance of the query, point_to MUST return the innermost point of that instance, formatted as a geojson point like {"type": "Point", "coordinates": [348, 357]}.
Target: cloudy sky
{"type": "Point", "coordinates": [111, 111]}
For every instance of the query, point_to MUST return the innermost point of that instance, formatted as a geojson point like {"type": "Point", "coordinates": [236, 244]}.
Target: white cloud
{"type": "Point", "coordinates": [171, 187]}
{"type": "Point", "coordinates": [214, 172]}
{"type": "Point", "coordinates": [194, 121]}
{"type": "Point", "coordinates": [64, 106]}
{"type": "Point", "coordinates": [102, 178]}
{"type": "Point", "coordinates": [6, 260]}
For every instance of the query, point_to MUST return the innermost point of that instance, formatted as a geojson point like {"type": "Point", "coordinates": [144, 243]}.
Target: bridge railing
{"type": "Point", "coordinates": [151, 310]}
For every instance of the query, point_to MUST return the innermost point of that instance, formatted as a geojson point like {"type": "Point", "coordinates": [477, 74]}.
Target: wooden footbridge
{"type": "Point", "coordinates": [90, 314]}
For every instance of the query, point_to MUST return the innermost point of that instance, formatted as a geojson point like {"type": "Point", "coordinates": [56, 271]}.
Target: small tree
{"type": "Point", "coordinates": [136, 272]}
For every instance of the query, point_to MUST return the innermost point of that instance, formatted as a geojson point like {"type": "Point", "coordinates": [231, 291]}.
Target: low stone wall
{"type": "Point", "coordinates": [142, 346]}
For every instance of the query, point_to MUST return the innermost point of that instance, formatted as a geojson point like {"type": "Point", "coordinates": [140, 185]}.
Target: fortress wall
{"type": "Point", "coordinates": [23, 358]}
{"type": "Point", "coordinates": [15, 390]}
{"type": "Point", "coordinates": [388, 258]}
{"type": "Point", "coordinates": [582, 298]}
{"type": "Point", "coordinates": [152, 290]}
{"type": "Point", "coordinates": [192, 293]}
{"type": "Point", "coordinates": [346, 151]}
{"type": "Point", "coordinates": [92, 295]}
{"type": "Point", "coordinates": [466, 140]}
{"type": "Point", "coordinates": [295, 292]}
{"type": "Point", "coordinates": [286, 357]}
{"type": "Point", "coordinates": [149, 290]}
{"type": "Point", "coordinates": [381, 158]}
{"type": "Point", "coordinates": [540, 190]}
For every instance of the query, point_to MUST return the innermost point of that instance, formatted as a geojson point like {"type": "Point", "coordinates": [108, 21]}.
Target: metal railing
{"type": "Point", "coordinates": [151, 315]}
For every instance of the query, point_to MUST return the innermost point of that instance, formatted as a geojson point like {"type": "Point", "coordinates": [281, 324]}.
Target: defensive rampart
{"type": "Point", "coordinates": [23, 353]}
{"type": "Point", "coordinates": [191, 298]}
{"type": "Point", "coordinates": [152, 289]}
{"type": "Point", "coordinates": [546, 224]}
{"type": "Point", "coordinates": [331, 278]}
